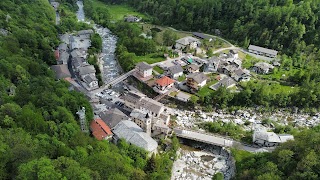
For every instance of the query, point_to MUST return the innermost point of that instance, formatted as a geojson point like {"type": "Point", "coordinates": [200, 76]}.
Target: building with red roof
{"type": "Point", "coordinates": [164, 84]}
{"type": "Point", "coordinates": [100, 130]}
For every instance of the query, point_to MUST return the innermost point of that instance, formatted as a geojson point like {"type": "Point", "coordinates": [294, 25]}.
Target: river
{"type": "Point", "coordinates": [109, 66]}
{"type": "Point", "coordinates": [192, 163]}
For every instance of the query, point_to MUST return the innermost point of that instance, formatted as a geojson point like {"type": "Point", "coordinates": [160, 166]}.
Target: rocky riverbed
{"type": "Point", "coordinates": [202, 163]}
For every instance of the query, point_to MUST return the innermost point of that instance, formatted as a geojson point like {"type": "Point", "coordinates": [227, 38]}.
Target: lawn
{"type": "Point", "coordinates": [182, 78]}
{"type": "Point", "coordinates": [174, 93]}
{"type": "Point", "coordinates": [205, 90]}
{"type": "Point", "coordinates": [150, 59]}
{"type": "Point", "coordinates": [118, 12]}
{"type": "Point", "coordinates": [158, 69]}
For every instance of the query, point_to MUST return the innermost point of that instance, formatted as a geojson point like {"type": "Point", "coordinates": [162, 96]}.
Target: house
{"type": "Point", "coordinates": [175, 71]}
{"type": "Point", "coordinates": [91, 81]}
{"type": "Point", "coordinates": [212, 64]}
{"type": "Point", "coordinates": [61, 71]}
{"type": "Point", "coordinates": [188, 41]}
{"type": "Point", "coordinates": [264, 138]}
{"type": "Point", "coordinates": [133, 134]}
{"type": "Point", "coordinates": [241, 75]}
{"type": "Point", "coordinates": [132, 19]}
{"type": "Point", "coordinates": [100, 130]}
{"type": "Point", "coordinates": [192, 68]}
{"type": "Point", "coordinates": [262, 51]}
{"type": "Point", "coordinates": [86, 70]}
{"type": "Point", "coordinates": [63, 57]}
{"type": "Point", "coordinates": [77, 62]}
{"type": "Point", "coordinates": [226, 82]}
{"type": "Point", "coordinates": [227, 69]}
{"type": "Point", "coordinates": [262, 68]}
{"type": "Point", "coordinates": [112, 117]}
{"type": "Point", "coordinates": [144, 69]}
{"type": "Point", "coordinates": [136, 100]}
{"type": "Point", "coordinates": [163, 84]}
{"type": "Point", "coordinates": [142, 119]}
{"type": "Point", "coordinates": [196, 80]}
{"type": "Point", "coordinates": [79, 53]}
{"type": "Point", "coordinates": [201, 36]}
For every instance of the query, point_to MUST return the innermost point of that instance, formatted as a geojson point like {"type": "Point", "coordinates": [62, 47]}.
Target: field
{"type": "Point", "coordinates": [150, 58]}
{"type": "Point", "coordinates": [158, 69]}
{"type": "Point", "coordinates": [118, 12]}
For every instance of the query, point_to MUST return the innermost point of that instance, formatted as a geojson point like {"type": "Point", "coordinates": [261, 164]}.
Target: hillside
{"type": "Point", "coordinates": [40, 137]}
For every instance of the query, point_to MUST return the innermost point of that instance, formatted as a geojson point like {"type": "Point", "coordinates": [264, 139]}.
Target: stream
{"type": "Point", "coordinates": [108, 63]}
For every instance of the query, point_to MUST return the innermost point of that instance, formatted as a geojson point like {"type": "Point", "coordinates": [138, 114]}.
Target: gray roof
{"type": "Point", "coordinates": [267, 136]}
{"type": "Point", "coordinates": [78, 61]}
{"type": "Point", "coordinates": [175, 69]}
{"type": "Point", "coordinates": [141, 115]}
{"type": "Point", "coordinates": [89, 31]}
{"type": "Point", "coordinates": [264, 66]}
{"type": "Point", "coordinates": [151, 105]}
{"type": "Point", "coordinates": [143, 66]}
{"type": "Point", "coordinates": [86, 70]}
{"type": "Point", "coordinates": [193, 67]}
{"type": "Point", "coordinates": [133, 134]}
{"type": "Point", "coordinates": [198, 77]}
{"type": "Point", "coordinates": [201, 35]}
{"type": "Point", "coordinates": [64, 57]}
{"type": "Point", "coordinates": [63, 47]}
{"type": "Point", "coordinates": [227, 81]}
{"type": "Point", "coordinates": [90, 78]}
{"type": "Point", "coordinates": [263, 50]}
{"type": "Point", "coordinates": [187, 40]}
{"type": "Point", "coordinates": [133, 97]}
{"type": "Point", "coordinates": [61, 71]}
{"type": "Point", "coordinates": [183, 96]}
{"type": "Point", "coordinates": [113, 117]}
{"type": "Point", "coordinates": [240, 72]}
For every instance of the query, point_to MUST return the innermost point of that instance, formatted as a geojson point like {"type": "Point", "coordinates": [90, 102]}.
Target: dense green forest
{"type": "Point", "coordinates": [298, 159]}
{"type": "Point", "coordinates": [284, 25]}
{"type": "Point", "coordinates": [40, 137]}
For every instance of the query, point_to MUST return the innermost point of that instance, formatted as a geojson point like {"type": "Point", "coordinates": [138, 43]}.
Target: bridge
{"type": "Point", "coordinates": [114, 81]}
{"type": "Point", "coordinates": [217, 140]}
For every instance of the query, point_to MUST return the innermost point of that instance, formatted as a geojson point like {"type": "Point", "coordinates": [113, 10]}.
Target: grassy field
{"type": "Point", "coordinates": [118, 12]}
{"type": "Point", "coordinates": [205, 90]}
{"type": "Point", "coordinates": [150, 59]}
{"type": "Point", "coordinates": [158, 69]}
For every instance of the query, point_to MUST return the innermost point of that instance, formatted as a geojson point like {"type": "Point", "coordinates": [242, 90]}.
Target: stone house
{"type": "Point", "coordinates": [196, 80]}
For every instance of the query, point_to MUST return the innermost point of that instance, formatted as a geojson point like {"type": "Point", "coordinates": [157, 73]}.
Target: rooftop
{"type": "Point", "coordinates": [133, 134]}
{"type": "Point", "coordinates": [113, 117]}
{"type": "Point", "coordinates": [187, 40]}
{"type": "Point", "coordinates": [164, 81]}
{"type": "Point", "coordinates": [264, 50]}
{"type": "Point", "coordinates": [143, 66]}
{"type": "Point", "coordinates": [99, 129]}
{"type": "Point", "coordinates": [198, 77]}
{"type": "Point", "coordinates": [175, 69]}
{"type": "Point", "coordinates": [86, 70]}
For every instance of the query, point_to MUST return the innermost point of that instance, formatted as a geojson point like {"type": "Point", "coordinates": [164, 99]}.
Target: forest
{"type": "Point", "coordinates": [40, 137]}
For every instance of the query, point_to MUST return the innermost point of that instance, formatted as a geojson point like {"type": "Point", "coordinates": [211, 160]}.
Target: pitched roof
{"type": "Point", "coordinates": [139, 114]}
{"type": "Point", "coordinates": [99, 129]}
{"type": "Point", "coordinates": [263, 65]}
{"type": "Point", "coordinates": [86, 70]}
{"type": "Point", "coordinates": [151, 105]}
{"type": "Point", "coordinates": [143, 66]}
{"type": "Point", "coordinates": [267, 136]}
{"type": "Point", "coordinates": [175, 69]}
{"type": "Point", "coordinates": [193, 67]}
{"type": "Point", "coordinates": [201, 35]}
{"type": "Point", "coordinates": [227, 81]}
{"type": "Point", "coordinates": [164, 81]}
{"type": "Point", "coordinates": [89, 78]}
{"type": "Point", "coordinates": [264, 50]}
{"type": "Point", "coordinates": [61, 71]}
{"type": "Point", "coordinates": [198, 77]}
{"type": "Point", "coordinates": [113, 117]}
{"type": "Point", "coordinates": [133, 134]}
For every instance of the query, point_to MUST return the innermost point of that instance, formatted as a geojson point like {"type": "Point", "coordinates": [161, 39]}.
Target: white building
{"type": "Point", "coordinates": [144, 69]}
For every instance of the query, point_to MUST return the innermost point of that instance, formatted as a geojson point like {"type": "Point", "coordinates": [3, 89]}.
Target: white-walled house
{"type": "Point", "coordinates": [144, 69]}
